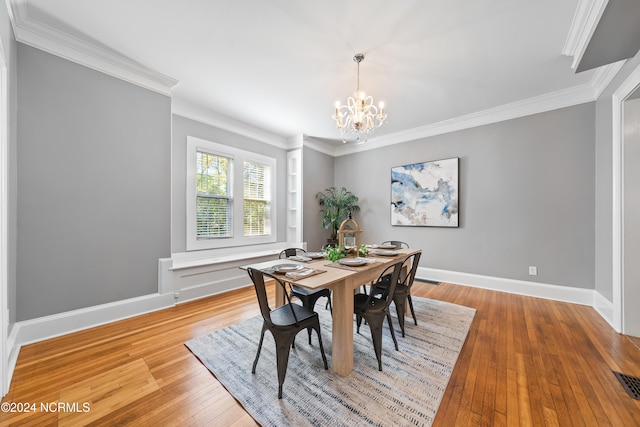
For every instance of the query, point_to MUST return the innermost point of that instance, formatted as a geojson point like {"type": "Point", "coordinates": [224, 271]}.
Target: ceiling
{"type": "Point", "coordinates": [280, 66]}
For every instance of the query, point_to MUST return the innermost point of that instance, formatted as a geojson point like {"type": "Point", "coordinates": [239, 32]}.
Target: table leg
{"type": "Point", "coordinates": [279, 295]}
{"type": "Point", "coordinates": [342, 334]}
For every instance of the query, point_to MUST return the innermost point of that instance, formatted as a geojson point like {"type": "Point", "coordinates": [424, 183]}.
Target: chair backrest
{"type": "Point", "coordinates": [413, 259]}
{"type": "Point", "coordinates": [397, 243]}
{"type": "Point", "coordinates": [291, 252]}
{"type": "Point", "coordinates": [389, 280]}
{"type": "Point", "coordinates": [257, 277]}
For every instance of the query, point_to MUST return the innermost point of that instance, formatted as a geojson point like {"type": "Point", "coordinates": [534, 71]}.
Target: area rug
{"type": "Point", "coordinates": [408, 391]}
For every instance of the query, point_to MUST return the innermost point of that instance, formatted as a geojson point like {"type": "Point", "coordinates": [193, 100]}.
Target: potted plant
{"type": "Point", "coordinates": [336, 203]}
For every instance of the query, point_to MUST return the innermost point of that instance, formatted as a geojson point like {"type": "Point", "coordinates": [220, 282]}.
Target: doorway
{"type": "Point", "coordinates": [625, 235]}
{"type": "Point", "coordinates": [4, 222]}
{"type": "Point", "coordinates": [631, 214]}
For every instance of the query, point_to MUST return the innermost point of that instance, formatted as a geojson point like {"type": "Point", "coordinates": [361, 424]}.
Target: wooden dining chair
{"type": "Point", "coordinates": [402, 293]}
{"type": "Point", "coordinates": [309, 297]}
{"type": "Point", "coordinates": [374, 308]}
{"type": "Point", "coordinates": [284, 323]}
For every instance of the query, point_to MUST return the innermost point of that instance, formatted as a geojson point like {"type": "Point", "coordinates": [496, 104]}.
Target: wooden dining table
{"type": "Point", "coordinates": [342, 280]}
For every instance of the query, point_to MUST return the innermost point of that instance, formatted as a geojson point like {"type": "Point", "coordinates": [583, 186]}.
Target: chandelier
{"type": "Point", "coordinates": [359, 116]}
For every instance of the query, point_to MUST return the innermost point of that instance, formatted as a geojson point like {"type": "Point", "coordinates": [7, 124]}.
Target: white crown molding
{"type": "Point", "coordinates": [56, 42]}
{"type": "Point", "coordinates": [564, 98]}
{"type": "Point", "coordinates": [110, 62]}
{"type": "Point", "coordinates": [604, 75]}
{"type": "Point", "coordinates": [320, 146]}
{"type": "Point", "coordinates": [585, 21]}
{"type": "Point", "coordinates": [191, 111]}
{"type": "Point", "coordinates": [296, 142]}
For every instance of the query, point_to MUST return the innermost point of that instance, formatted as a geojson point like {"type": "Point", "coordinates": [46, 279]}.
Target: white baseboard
{"type": "Point", "coordinates": [604, 307]}
{"type": "Point", "coordinates": [43, 328]}
{"type": "Point", "coordinates": [12, 356]}
{"type": "Point", "coordinates": [46, 327]}
{"type": "Point", "coordinates": [214, 287]}
{"type": "Point", "coordinates": [520, 287]}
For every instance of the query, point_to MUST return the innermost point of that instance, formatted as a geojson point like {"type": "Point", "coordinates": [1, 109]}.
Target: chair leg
{"type": "Point", "coordinates": [413, 312]}
{"type": "Point", "coordinates": [310, 303]}
{"type": "Point", "coordinates": [255, 362]}
{"type": "Point", "coordinates": [282, 360]}
{"type": "Point", "coordinates": [401, 311]}
{"type": "Point", "coordinates": [393, 334]}
{"type": "Point", "coordinates": [324, 357]}
{"type": "Point", "coordinates": [376, 337]}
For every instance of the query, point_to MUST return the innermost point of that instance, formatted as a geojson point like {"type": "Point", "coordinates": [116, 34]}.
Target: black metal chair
{"type": "Point", "coordinates": [309, 297]}
{"type": "Point", "coordinates": [402, 293]}
{"type": "Point", "coordinates": [284, 323]}
{"type": "Point", "coordinates": [397, 243]}
{"type": "Point", "coordinates": [373, 308]}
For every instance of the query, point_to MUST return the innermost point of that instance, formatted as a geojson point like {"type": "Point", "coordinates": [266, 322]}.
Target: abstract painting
{"type": "Point", "coordinates": [425, 194]}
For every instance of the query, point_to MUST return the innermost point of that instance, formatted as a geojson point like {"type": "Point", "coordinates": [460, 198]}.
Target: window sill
{"type": "Point", "coordinates": [184, 260]}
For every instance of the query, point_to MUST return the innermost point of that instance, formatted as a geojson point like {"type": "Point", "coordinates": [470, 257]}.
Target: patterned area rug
{"type": "Point", "coordinates": [408, 391]}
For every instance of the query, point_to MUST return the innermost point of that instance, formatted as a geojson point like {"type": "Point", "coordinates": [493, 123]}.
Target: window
{"type": "Point", "coordinates": [224, 185]}
{"type": "Point", "coordinates": [257, 209]}
{"type": "Point", "coordinates": [213, 199]}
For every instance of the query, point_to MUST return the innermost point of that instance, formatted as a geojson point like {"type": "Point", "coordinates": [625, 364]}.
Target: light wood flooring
{"type": "Point", "coordinates": [526, 361]}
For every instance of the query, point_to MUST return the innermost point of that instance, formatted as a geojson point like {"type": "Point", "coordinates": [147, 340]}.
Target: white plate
{"type": "Point", "coordinates": [285, 268]}
{"type": "Point", "coordinates": [315, 254]}
{"type": "Point", "coordinates": [352, 261]}
{"type": "Point", "coordinates": [387, 246]}
{"type": "Point", "coordinates": [387, 253]}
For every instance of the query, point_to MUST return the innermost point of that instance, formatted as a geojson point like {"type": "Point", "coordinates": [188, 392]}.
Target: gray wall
{"type": "Point", "coordinates": [93, 186]}
{"type": "Point", "coordinates": [183, 127]}
{"type": "Point", "coordinates": [604, 199]}
{"type": "Point", "coordinates": [526, 197]}
{"type": "Point", "coordinates": [9, 46]}
{"type": "Point", "coordinates": [317, 176]}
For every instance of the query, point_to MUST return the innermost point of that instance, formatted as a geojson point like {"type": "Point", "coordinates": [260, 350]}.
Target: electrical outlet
{"type": "Point", "coordinates": [533, 271]}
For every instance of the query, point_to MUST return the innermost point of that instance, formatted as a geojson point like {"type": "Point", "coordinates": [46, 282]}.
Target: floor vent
{"type": "Point", "coordinates": [431, 282]}
{"type": "Point", "coordinates": [630, 384]}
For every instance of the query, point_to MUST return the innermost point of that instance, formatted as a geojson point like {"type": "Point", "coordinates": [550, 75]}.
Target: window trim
{"type": "Point", "coordinates": [237, 236]}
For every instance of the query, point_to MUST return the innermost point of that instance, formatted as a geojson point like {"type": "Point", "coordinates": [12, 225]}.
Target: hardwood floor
{"type": "Point", "coordinates": [526, 361]}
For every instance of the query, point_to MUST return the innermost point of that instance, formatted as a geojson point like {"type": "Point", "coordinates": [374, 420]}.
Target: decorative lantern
{"type": "Point", "coordinates": [349, 235]}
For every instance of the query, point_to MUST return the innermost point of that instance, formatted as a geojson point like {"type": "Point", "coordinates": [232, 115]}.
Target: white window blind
{"type": "Point", "coordinates": [214, 205]}
{"type": "Point", "coordinates": [257, 208]}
